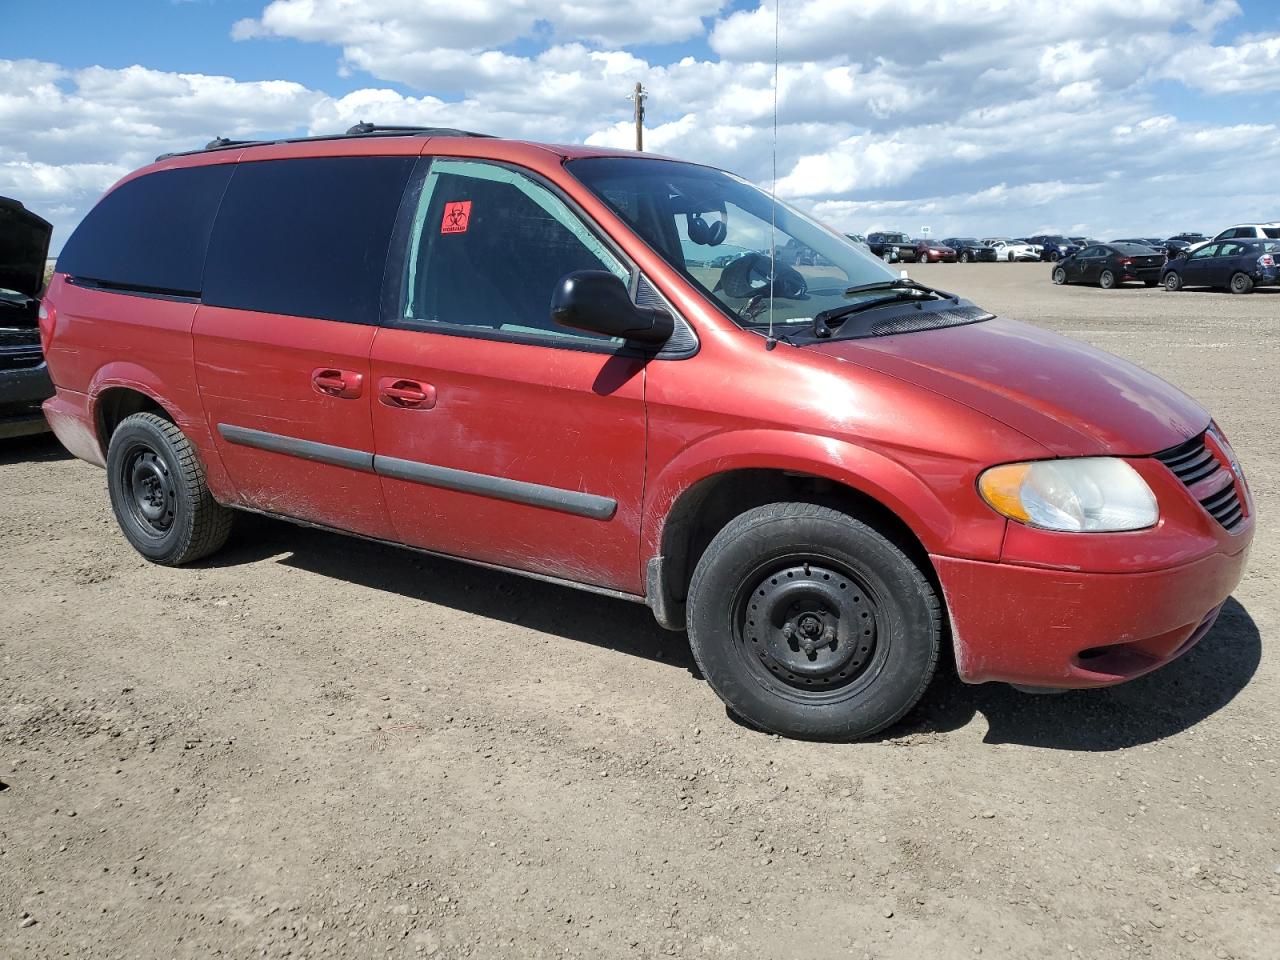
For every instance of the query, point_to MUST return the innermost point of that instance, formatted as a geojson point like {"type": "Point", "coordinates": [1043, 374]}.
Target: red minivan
{"type": "Point", "coordinates": [593, 367]}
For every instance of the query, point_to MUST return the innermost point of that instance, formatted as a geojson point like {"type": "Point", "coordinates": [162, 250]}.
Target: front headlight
{"type": "Point", "coordinates": [1086, 495]}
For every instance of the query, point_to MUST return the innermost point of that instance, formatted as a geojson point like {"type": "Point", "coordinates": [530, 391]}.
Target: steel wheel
{"type": "Point", "coordinates": [151, 493]}
{"type": "Point", "coordinates": [808, 628]}
{"type": "Point", "coordinates": [1241, 283]}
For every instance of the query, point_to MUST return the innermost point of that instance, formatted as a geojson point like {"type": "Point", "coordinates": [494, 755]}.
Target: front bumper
{"type": "Point", "coordinates": [22, 390]}
{"type": "Point", "coordinates": [1059, 628]}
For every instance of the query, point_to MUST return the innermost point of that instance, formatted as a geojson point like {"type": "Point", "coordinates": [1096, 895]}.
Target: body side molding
{"type": "Point", "coordinates": [482, 484]}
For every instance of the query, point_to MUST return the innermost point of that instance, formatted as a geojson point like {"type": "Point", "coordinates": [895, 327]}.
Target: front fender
{"type": "Point", "coordinates": [942, 526]}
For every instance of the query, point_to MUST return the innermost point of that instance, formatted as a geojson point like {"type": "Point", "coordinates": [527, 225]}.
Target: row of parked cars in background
{"type": "Point", "coordinates": [897, 247]}
{"type": "Point", "coordinates": [1240, 258]}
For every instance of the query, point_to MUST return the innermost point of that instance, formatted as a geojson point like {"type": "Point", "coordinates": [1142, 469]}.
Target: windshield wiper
{"type": "Point", "coordinates": [825, 322]}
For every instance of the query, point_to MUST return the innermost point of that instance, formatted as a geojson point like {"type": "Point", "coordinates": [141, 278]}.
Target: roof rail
{"type": "Point", "coordinates": [361, 129]}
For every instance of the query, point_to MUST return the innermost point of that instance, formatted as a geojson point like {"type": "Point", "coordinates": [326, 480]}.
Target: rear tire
{"type": "Point", "coordinates": [159, 494]}
{"type": "Point", "coordinates": [1173, 282]}
{"type": "Point", "coordinates": [1059, 275]}
{"type": "Point", "coordinates": [811, 624]}
{"type": "Point", "coordinates": [1107, 280]}
{"type": "Point", "coordinates": [1241, 283]}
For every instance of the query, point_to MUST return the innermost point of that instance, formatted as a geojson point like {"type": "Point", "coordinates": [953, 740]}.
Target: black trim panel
{"type": "Point", "coordinates": [305, 449]}
{"type": "Point", "coordinates": [482, 484]}
{"type": "Point", "coordinates": [154, 293]}
{"type": "Point", "coordinates": [499, 488]}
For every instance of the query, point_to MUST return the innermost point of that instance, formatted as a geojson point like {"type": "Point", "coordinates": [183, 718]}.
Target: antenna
{"type": "Point", "coordinates": [773, 189]}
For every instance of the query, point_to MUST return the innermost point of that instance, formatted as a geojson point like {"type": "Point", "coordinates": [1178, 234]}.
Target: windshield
{"type": "Point", "coordinates": [716, 230]}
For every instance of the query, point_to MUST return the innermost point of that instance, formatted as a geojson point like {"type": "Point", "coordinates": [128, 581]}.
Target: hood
{"type": "Point", "coordinates": [1070, 397]}
{"type": "Point", "coordinates": [24, 245]}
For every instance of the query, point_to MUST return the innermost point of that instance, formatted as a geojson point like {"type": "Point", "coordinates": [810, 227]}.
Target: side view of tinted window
{"type": "Point", "coordinates": [487, 248]}
{"type": "Point", "coordinates": [306, 237]}
{"type": "Point", "coordinates": [150, 234]}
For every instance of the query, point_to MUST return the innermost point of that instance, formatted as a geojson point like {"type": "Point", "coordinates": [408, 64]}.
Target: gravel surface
{"type": "Point", "coordinates": [312, 746]}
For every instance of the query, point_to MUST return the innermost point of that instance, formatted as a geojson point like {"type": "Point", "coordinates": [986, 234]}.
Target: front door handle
{"type": "Point", "coordinates": [406, 394]}
{"type": "Point", "coordinates": [346, 384]}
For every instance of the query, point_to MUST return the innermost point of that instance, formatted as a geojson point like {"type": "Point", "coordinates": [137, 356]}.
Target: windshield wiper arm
{"type": "Point", "coordinates": [898, 283]}
{"type": "Point", "coordinates": [824, 322]}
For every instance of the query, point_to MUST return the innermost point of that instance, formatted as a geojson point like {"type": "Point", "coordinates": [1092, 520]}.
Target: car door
{"type": "Point", "coordinates": [1086, 265]}
{"type": "Point", "coordinates": [1219, 268]}
{"type": "Point", "coordinates": [291, 302]}
{"type": "Point", "coordinates": [1198, 266]}
{"type": "Point", "coordinates": [501, 437]}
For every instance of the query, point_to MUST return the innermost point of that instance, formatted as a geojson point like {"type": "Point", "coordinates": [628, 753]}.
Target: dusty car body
{"type": "Point", "coordinates": [529, 357]}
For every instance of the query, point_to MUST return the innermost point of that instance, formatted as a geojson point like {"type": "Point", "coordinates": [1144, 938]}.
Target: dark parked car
{"type": "Point", "coordinates": [1174, 248]}
{"type": "Point", "coordinates": [1111, 264]}
{"type": "Point", "coordinates": [1053, 247]}
{"type": "Point", "coordinates": [1189, 237]}
{"type": "Point", "coordinates": [933, 251]}
{"type": "Point", "coordinates": [24, 379]}
{"type": "Point", "coordinates": [1238, 265]}
{"type": "Point", "coordinates": [969, 249]}
{"type": "Point", "coordinates": [892, 246]}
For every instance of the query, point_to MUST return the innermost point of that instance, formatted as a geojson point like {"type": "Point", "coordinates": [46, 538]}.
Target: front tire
{"type": "Point", "coordinates": [1241, 283]}
{"type": "Point", "coordinates": [1173, 282]}
{"type": "Point", "coordinates": [1107, 280]}
{"type": "Point", "coordinates": [1011, 258]}
{"type": "Point", "coordinates": [159, 494]}
{"type": "Point", "coordinates": [1059, 275]}
{"type": "Point", "coordinates": [964, 258]}
{"type": "Point", "coordinates": [808, 623]}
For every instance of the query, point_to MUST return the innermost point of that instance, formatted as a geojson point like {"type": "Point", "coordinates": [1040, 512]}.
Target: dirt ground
{"type": "Point", "coordinates": [313, 746]}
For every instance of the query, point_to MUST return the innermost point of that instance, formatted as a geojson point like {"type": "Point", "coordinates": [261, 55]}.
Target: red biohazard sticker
{"type": "Point", "coordinates": [457, 214]}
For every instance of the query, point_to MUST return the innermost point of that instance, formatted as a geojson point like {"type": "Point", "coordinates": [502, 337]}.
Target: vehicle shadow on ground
{"type": "Point", "coordinates": [40, 448]}
{"type": "Point", "coordinates": [546, 607]}
{"type": "Point", "coordinates": [1145, 710]}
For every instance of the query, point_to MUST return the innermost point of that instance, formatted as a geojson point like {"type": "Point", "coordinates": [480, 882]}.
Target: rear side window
{"type": "Point", "coordinates": [306, 237]}
{"type": "Point", "coordinates": [149, 234]}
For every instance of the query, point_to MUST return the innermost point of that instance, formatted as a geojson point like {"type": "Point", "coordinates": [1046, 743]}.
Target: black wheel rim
{"type": "Point", "coordinates": [148, 490]}
{"type": "Point", "coordinates": [809, 628]}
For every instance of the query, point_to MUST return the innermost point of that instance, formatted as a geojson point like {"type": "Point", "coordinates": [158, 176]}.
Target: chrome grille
{"type": "Point", "coordinates": [1192, 462]}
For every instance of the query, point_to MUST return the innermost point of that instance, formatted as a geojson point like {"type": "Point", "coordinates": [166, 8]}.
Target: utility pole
{"type": "Point", "coordinates": [639, 98]}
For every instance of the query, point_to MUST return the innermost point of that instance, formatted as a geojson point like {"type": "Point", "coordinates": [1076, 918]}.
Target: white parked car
{"type": "Point", "coordinates": [1013, 250]}
{"type": "Point", "coordinates": [1243, 231]}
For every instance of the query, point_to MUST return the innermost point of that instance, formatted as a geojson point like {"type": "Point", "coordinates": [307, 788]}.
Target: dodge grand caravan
{"type": "Point", "coordinates": [539, 358]}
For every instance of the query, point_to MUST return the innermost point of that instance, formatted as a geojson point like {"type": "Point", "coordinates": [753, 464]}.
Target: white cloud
{"type": "Point", "coordinates": [997, 117]}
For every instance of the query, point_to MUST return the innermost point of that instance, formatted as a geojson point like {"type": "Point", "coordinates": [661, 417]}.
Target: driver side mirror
{"type": "Point", "coordinates": [597, 301]}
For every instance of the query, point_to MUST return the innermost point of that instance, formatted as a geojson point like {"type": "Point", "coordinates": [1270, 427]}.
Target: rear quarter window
{"type": "Point", "coordinates": [151, 233]}
{"type": "Point", "coordinates": [306, 237]}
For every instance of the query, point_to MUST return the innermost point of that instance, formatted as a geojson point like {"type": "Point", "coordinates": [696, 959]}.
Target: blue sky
{"type": "Point", "coordinates": [1001, 117]}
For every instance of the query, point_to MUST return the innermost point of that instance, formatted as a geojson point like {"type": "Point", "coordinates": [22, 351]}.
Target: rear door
{"type": "Point", "coordinates": [499, 436]}
{"type": "Point", "coordinates": [291, 300]}
{"type": "Point", "coordinates": [1219, 269]}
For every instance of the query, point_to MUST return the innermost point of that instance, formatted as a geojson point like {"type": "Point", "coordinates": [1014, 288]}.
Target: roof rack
{"type": "Point", "coordinates": [361, 129]}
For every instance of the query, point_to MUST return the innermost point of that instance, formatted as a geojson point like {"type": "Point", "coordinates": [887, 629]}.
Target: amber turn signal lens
{"type": "Point", "coordinates": [1002, 488]}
